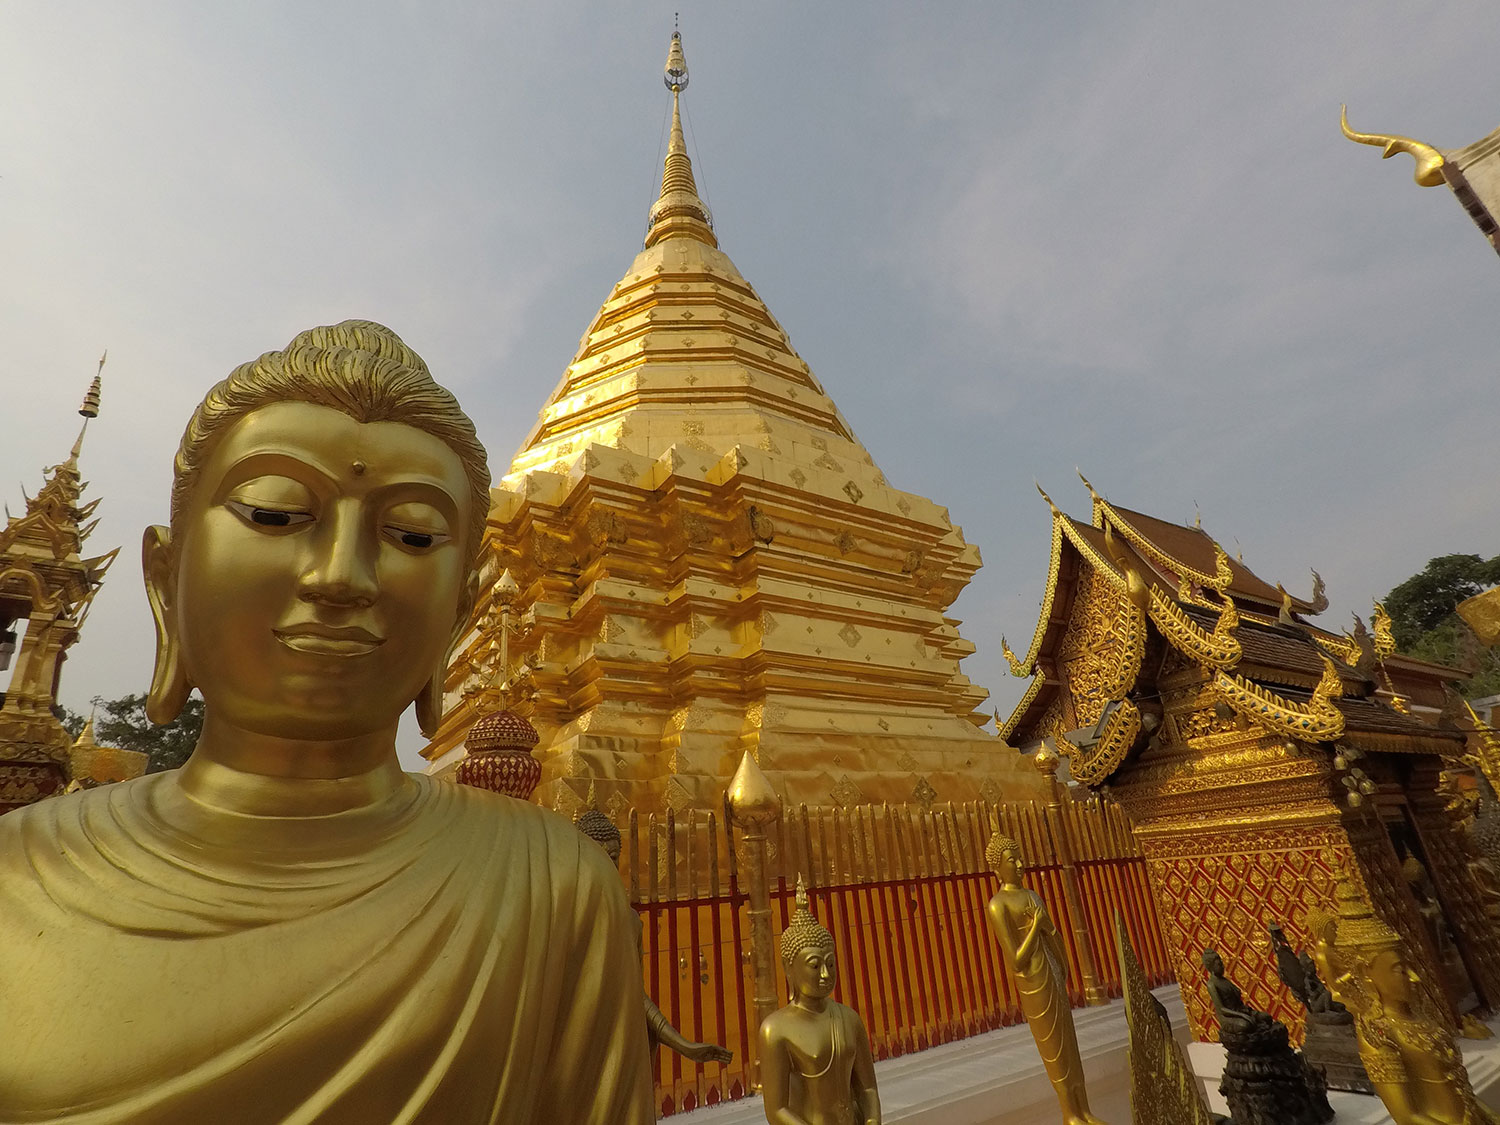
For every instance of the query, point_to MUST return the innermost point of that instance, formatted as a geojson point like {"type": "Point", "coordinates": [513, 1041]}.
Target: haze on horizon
{"type": "Point", "coordinates": [1008, 240]}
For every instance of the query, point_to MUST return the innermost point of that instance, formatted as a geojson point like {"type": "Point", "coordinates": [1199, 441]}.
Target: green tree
{"type": "Point", "coordinates": [72, 721]}
{"type": "Point", "coordinates": [1424, 601]}
{"type": "Point", "coordinates": [122, 722]}
{"type": "Point", "coordinates": [1425, 625]}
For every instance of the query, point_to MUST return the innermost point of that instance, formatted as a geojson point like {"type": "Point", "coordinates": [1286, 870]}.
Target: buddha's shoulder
{"type": "Point", "coordinates": [56, 814]}
{"type": "Point", "coordinates": [514, 826]}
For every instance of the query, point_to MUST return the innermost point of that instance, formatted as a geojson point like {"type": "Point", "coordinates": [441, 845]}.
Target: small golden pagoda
{"type": "Point", "coordinates": [92, 764]}
{"type": "Point", "coordinates": [710, 562]}
{"type": "Point", "coordinates": [1260, 758]}
{"type": "Point", "coordinates": [45, 582]}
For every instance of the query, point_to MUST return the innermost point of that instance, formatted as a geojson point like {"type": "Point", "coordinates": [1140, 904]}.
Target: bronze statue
{"type": "Point", "coordinates": [289, 921]}
{"type": "Point", "coordinates": [1265, 1081]}
{"type": "Point", "coordinates": [1408, 1052]}
{"type": "Point", "coordinates": [815, 1060]}
{"type": "Point", "coordinates": [659, 1030]}
{"type": "Point", "coordinates": [1035, 957]}
{"type": "Point", "coordinates": [1329, 1044]}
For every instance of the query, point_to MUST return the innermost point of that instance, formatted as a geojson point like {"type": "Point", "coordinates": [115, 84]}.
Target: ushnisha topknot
{"type": "Point", "coordinates": [998, 848]}
{"type": "Point", "coordinates": [803, 931]}
{"type": "Point", "coordinates": [600, 829]}
{"type": "Point", "coordinates": [358, 367]}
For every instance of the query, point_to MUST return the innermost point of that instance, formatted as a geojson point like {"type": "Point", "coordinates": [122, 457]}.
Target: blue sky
{"type": "Point", "coordinates": [1009, 239]}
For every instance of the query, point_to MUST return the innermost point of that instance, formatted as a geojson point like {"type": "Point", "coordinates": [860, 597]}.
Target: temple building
{"type": "Point", "coordinates": [47, 584]}
{"type": "Point", "coordinates": [708, 561]}
{"type": "Point", "coordinates": [1259, 757]}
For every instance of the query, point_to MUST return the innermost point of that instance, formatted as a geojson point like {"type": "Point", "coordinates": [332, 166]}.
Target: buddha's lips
{"type": "Point", "coordinates": [325, 640]}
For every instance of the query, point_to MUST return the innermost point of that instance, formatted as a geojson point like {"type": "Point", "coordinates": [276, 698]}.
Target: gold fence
{"type": "Point", "coordinates": [903, 890]}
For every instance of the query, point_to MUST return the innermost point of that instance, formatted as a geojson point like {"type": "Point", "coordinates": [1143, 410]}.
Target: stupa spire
{"type": "Point", "coordinates": [678, 212]}
{"type": "Point", "coordinates": [89, 409]}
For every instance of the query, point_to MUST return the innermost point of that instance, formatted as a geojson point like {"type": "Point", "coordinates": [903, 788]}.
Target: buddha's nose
{"type": "Point", "coordinates": [342, 571]}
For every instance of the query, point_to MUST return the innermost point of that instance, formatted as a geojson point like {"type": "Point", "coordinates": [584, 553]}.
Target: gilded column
{"type": "Point", "coordinates": [754, 806]}
{"type": "Point", "coordinates": [1094, 993]}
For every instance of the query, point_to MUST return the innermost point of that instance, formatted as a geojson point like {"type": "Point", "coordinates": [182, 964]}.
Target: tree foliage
{"type": "Point", "coordinates": [1425, 624]}
{"type": "Point", "coordinates": [122, 722]}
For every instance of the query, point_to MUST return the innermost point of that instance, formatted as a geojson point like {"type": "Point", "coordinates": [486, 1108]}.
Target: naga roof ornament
{"type": "Point", "coordinates": [1429, 169]}
{"type": "Point", "coordinates": [1217, 649]}
{"type": "Point", "coordinates": [1385, 639]}
{"type": "Point", "coordinates": [1316, 720]}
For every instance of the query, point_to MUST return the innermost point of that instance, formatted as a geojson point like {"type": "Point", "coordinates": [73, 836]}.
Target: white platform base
{"type": "Point", "coordinates": [1481, 1059]}
{"type": "Point", "coordinates": [992, 1079]}
{"type": "Point", "coordinates": [997, 1078]}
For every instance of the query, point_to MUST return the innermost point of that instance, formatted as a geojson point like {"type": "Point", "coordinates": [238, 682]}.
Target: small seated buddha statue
{"type": "Point", "coordinates": [1035, 957]}
{"type": "Point", "coordinates": [289, 928]}
{"type": "Point", "coordinates": [815, 1062]}
{"type": "Point", "coordinates": [659, 1030]}
{"type": "Point", "coordinates": [1407, 1049]}
{"type": "Point", "coordinates": [1265, 1081]}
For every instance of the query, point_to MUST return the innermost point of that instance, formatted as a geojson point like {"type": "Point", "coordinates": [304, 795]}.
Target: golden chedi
{"type": "Point", "coordinates": [289, 928]}
{"type": "Point", "coordinates": [815, 1059]}
{"type": "Point", "coordinates": [1035, 957]}
{"type": "Point", "coordinates": [711, 562]}
{"type": "Point", "coordinates": [1407, 1050]}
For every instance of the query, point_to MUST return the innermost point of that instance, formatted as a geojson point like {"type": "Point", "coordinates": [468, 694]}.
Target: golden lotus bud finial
{"type": "Point", "coordinates": [752, 801]}
{"type": "Point", "coordinates": [1429, 169]}
{"type": "Point", "coordinates": [507, 589]}
{"type": "Point", "coordinates": [675, 73]}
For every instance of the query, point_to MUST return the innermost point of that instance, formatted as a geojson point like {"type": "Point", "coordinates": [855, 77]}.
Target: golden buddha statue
{"type": "Point", "coordinates": [1408, 1052]}
{"type": "Point", "coordinates": [289, 928]}
{"type": "Point", "coordinates": [1035, 957]}
{"type": "Point", "coordinates": [816, 1067]}
{"type": "Point", "coordinates": [659, 1030]}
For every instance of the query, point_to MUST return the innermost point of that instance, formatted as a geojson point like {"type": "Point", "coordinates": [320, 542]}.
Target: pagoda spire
{"type": "Point", "coordinates": [678, 212]}
{"type": "Point", "coordinates": [89, 409]}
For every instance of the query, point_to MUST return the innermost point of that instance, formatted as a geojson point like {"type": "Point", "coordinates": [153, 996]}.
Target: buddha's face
{"type": "Point", "coordinates": [1010, 868]}
{"type": "Point", "coordinates": [1213, 963]}
{"type": "Point", "coordinates": [320, 571]}
{"type": "Point", "coordinates": [813, 972]}
{"type": "Point", "coordinates": [1391, 977]}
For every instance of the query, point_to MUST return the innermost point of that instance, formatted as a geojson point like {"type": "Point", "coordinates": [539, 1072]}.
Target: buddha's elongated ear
{"type": "Point", "coordinates": [169, 682]}
{"type": "Point", "coordinates": [430, 698]}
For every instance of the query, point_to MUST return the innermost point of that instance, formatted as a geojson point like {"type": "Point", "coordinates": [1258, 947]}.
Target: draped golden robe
{"type": "Point", "coordinates": [446, 956]}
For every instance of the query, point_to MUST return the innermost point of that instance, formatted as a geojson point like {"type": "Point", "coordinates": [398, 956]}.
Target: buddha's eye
{"type": "Point", "coordinates": [267, 517]}
{"type": "Point", "coordinates": [417, 541]}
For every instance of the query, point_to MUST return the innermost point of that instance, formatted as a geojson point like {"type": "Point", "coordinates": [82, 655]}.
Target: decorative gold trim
{"type": "Point", "coordinates": [1385, 640]}
{"type": "Point", "coordinates": [1219, 649]}
{"type": "Point", "coordinates": [1429, 169]}
{"type": "Point", "coordinates": [1340, 648]}
{"type": "Point", "coordinates": [1104, 512]}
{"type": "Point", "coordinates": [1027, 665]}
{"type": "Point", "coordinates": [1026, 700]}
{"type": "Point", "coordinates": [1317, 720]}
{"type": "Point", "coordinates": [1093, 766]}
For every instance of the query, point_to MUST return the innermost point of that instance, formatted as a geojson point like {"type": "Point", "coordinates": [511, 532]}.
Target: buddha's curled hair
{"type": "Point", "coordinates": [803, 931]}
{"type": "Point", "coordinates": [358, 367]}
{"type": "Point", "coordinates": [998, 848]}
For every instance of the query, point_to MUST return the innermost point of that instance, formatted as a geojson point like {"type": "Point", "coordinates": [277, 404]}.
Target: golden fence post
{"type": "Point", "coordinates": [754, 806]}
{"type": "Point", "coordinates": [1094, 993]}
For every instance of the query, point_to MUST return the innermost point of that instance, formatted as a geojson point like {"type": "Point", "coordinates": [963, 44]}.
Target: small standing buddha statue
{"type": "Point", "coordinates": [815, 1059]}
{"type": "Point", "coordinates": [1034, 956]}
{"type": "Point", "coordinates": [1407, 1050]}
{"type": "Point", "coordinates": [659, 1030]}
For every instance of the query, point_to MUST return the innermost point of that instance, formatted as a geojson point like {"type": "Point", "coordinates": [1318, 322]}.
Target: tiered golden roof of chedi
{"type": "Point", "coordinates": [712, 562]}
{"type": "Point", "coordinates": [46, 588]}
{"type": "Point", "coordinates": [94, 765]}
